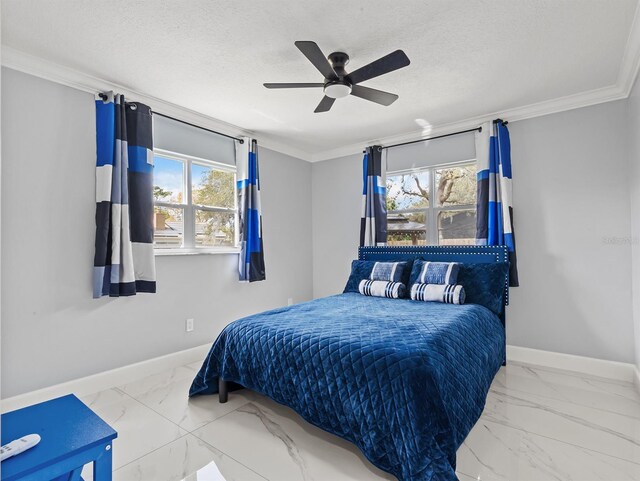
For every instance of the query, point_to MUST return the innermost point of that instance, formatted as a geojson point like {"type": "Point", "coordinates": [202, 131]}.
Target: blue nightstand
{"type": "Point", "coordinates": [72, 436]}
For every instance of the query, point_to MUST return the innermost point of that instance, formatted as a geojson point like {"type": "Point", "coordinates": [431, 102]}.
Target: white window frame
{"type": "Point", "coordinates": [432, 211]}
{"type": "Point", "coordinates": [189, 208]}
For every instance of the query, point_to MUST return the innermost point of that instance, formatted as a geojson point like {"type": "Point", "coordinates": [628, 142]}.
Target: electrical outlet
{"type": "Point", "coordinates": [290, 301]}
{"type": "Point", "coordinates": [189, 325]}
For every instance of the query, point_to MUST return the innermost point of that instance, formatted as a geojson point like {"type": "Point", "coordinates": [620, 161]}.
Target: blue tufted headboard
{"type": "Point", "coordinates": [465, 254]}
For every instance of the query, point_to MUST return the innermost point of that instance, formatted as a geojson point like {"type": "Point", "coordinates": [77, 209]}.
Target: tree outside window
{"type": "Point", "coordinates": [195, 203]}
{"type": "Point", "coordinates": [416, 217]}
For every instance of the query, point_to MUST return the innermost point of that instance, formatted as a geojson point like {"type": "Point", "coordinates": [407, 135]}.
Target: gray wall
{"type": "Point", "coordinates": [633, 126]}
{"type": "Point", "coordinates": [52, 330]}
{"type": "Point", "coordinates": [571, 198]}
{"type": "Point", "coordinates": [573, 227]}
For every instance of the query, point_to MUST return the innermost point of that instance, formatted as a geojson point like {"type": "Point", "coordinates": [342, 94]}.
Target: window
{"type": "Point", "coordinates": [195, 203]}
{"type": "Point", "coordinates": [432, 206]}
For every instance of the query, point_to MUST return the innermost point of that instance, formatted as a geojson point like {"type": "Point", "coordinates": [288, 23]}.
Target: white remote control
{"type": "Point", "coordinates": [18, 446]}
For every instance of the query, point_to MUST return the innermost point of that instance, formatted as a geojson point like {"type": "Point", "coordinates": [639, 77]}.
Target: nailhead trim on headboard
{"type": "Point", "coordinates": [501, 254]}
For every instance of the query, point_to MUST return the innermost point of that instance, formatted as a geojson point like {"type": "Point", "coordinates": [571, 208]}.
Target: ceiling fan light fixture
{"type": "Point", "coordinates": [337, 90]}
{"type": "Point", "coordinates": [338, 83]}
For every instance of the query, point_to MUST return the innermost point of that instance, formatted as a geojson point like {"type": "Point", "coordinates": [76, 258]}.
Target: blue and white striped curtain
{"type": "Point", "coordinates": [251, 263]}
{"type": "Point", "coordinates": [124, 262]}
{"type": "Point", "coordinates": [495, 206]}
{"type": "Point", "coordinates": [373, 224]}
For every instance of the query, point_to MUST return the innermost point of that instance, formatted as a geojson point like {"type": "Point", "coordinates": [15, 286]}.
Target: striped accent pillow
{"type": "Point", "coordinates": [393, 290]}
{"type": "Point", "coordinates": [387, 271]}
{"type": "Point", "coordinates": [439, 273]}
{"type": "Point", "coordinates": [447, 293]}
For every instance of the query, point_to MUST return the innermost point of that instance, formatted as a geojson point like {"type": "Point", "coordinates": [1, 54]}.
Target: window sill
{"type": "Point", "coordinates": [195, 252]}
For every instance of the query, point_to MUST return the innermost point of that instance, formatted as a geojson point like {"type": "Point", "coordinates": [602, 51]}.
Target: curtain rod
{"type": "Point", "coordinates": [478, 129]}
{"type": "Point", "coordinates": [104, 97]}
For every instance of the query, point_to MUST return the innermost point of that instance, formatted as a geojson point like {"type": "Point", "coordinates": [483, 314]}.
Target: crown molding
{"type": "Point", "coordinates": [627, 74]}
{"type": "Point", "coordinates": [631, 57]}
{"type": "Point", "coordinates": [39, 67]}
{"type": "Point", "coordinates": [561, 104]}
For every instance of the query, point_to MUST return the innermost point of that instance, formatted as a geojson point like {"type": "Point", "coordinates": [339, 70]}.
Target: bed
{"type": "Point", "coordinates": [404, 380]}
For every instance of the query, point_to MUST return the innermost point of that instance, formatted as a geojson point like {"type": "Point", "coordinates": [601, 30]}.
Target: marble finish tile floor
{"type": "Point", "coordinates": [539, 424]}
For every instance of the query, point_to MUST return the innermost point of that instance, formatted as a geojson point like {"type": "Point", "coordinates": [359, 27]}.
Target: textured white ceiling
{"type": "Point", "coordinates": [468, 58]}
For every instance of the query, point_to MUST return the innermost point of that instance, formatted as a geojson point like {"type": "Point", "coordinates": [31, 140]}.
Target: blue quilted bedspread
{"type": "Point", "coordinates": [403, 380]}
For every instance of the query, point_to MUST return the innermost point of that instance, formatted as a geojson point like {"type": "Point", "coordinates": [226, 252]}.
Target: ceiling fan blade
{"type": "Point", "coordinates": [386, 64]}
{"type": "Point", "coordinates": [377, 96]}
{"type": "Point", "coordinates": [317, 58]}
{"type": "Point", "coordinates": [292, 85]}
{"type": "Point", "coordinates": [325, 104]}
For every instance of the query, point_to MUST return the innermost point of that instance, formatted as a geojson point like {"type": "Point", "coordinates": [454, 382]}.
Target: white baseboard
{"type": "Point", "coordinates": [107, 379]}
{"type": "Point", "coordinates": [619, 371]}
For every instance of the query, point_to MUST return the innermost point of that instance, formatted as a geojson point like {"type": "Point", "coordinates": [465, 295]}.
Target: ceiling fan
{"type": "Point", "coordinates": [338, 83]}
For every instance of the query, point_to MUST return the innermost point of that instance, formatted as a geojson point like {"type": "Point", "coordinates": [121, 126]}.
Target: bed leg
{"type": "Point", "coordinates": [223, 393]}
